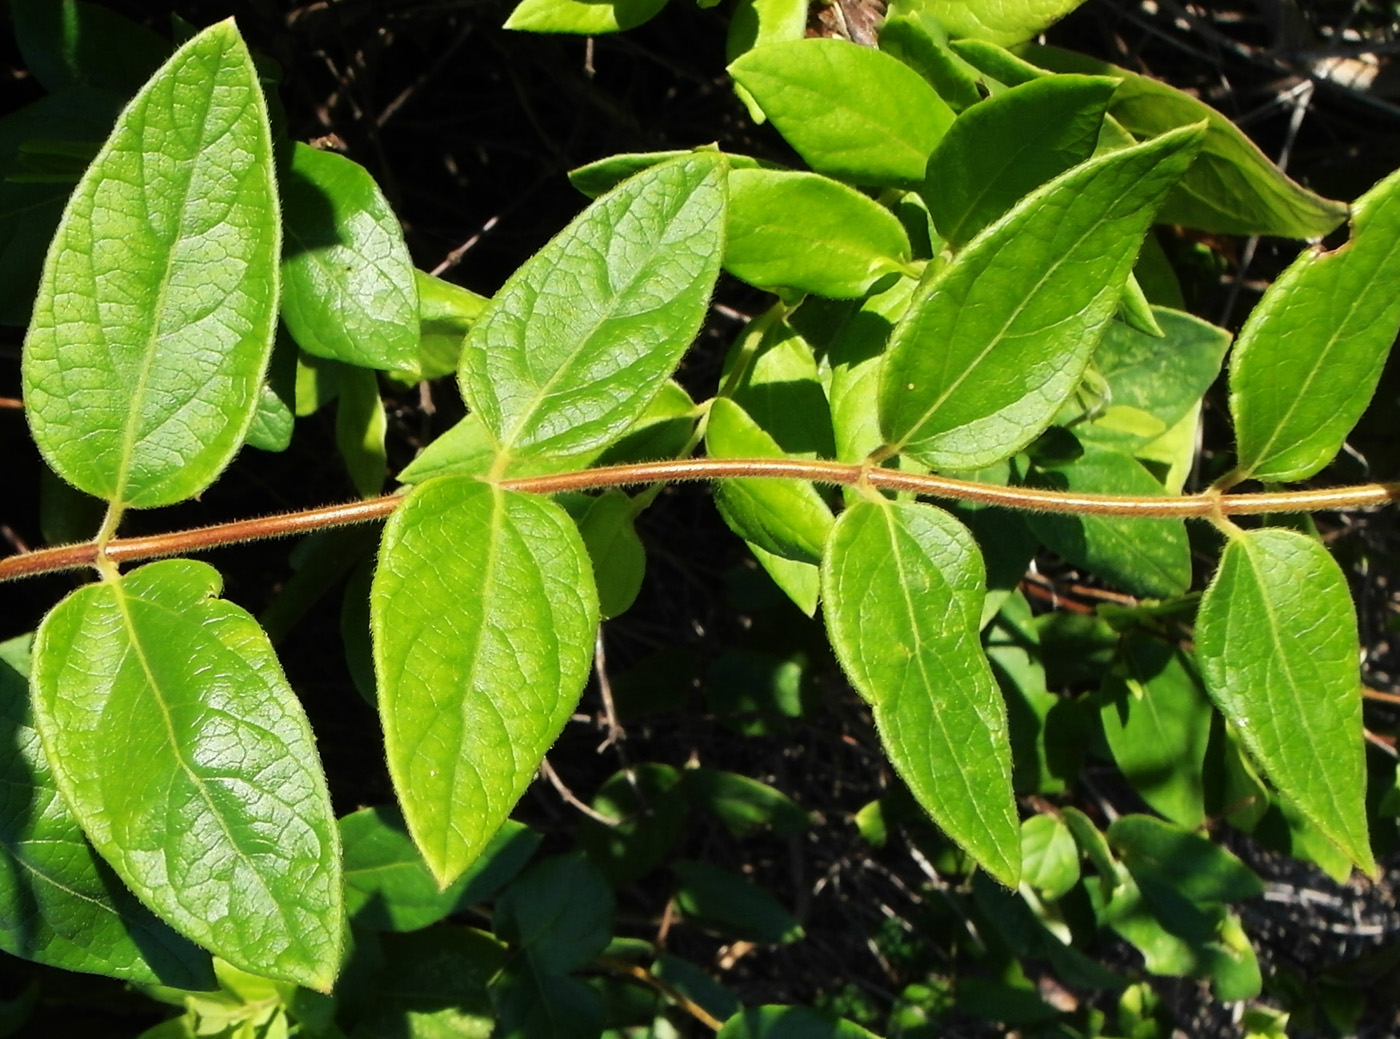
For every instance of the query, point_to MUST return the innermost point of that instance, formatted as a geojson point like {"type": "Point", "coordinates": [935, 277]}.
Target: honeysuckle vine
{"type": "Point", "coordinates": [1205, 506]}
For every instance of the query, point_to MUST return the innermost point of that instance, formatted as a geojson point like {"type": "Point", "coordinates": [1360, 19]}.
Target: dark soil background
{"type": "Point", "coordinates": [470, 130]}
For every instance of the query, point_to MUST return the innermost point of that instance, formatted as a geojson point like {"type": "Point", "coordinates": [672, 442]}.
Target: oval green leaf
{"type": "Point", "coordinates": [187, 760]}
{"type": "Point", "coordinates": [349, 292]}
{"type": "Point", "coordinates": [619, 560]}
{"type": "Point", "coordinates": [1276, 639]}
{"type": "Point", "coordinates": [1008, 22]}
{"type": "Point", "coordinates": [903, 586]}
{"type": "Point", "coordinates": [483, 614]}
{"type": "Point", "coordinates": [809, 233]}
{"type": "Point", "coordinates": [581, 16]}
{"type": "Point", "coordinates": [60, 904]}
{"type": "Point", "coordinates": [732, 905]}
{"type": "Point", "coordinates": [994, 342]}
{"type": "Point", "coordinates": [154, 323]}
{"type": "Point", "coordinates": [1308, 359]}
{"type": "Point", "coordinates": [579, 340]}
{"type": "Point", "coordinates": [851, 112]}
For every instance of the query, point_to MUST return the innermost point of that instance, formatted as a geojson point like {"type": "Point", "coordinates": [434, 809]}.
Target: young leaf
{"type": "Point", "coordinates": [1148, 557]}
{"type": "Point", "coordinates": [1233, 188]}
{"type": "Point", "coordinates": [809, 233]}
{"type": "Point", "coordinates": [1050, 856]}
{"type": "Point", "coordinates": [852, 113]}
{"type": "Point", "coordinates": [1276, 639]}
{"type": "Point", "coordinates": [1016, 315]}
{"type": "Point", "coordinates": [59, 903]}
{"type": "Point", "coordinates": [158, 301]}
{"type": "Point", "coordinates": [903, 587]}
{"type": "Point", "coordinates": [581, 16]}
{"type": "Point", "coordinates": [1042, 128]}
{"type": "Point", "coordinates": [579, 340]}
{"type": "Point", "coordinates": [187, 760]}
{"type": "Point", "coordinates": [473, 688]}
{"type": "Point", "coordinates": [349, 291]}
{"type": "Point", "coordinates": [1310, 355]}
{"type": "Point", "coordinates": [1003, 23]}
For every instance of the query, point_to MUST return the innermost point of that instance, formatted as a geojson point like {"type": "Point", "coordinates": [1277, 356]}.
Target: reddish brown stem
{"type": "Point", "coordinates": [70, 557]}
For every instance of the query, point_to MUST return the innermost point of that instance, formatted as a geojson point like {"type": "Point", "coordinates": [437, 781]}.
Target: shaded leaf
{"type": "Point", "coordinates": [559, 913]}
{"type": "Point", "coordinates": [783, 1022]}
{"type": "Point", "coordinates": [732, 905]}
{"type": "Point", "coordinates": [619, 561]}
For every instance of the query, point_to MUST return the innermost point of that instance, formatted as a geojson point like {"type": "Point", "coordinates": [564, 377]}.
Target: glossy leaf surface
{"type": "Point", "coordinates": [1276, 638]}
{"type": "Point", "coordinates": [1308, 359]}
{"type": "Point", "coordinates": [349, 291]}
{"type": "Point", "coordinates": [187, 759]}
{"type": "Point", "coordinates": [157, 305]}
{"type": "Point", "coordinates": [852, 113]}
{"type": "Point", "coordinates": [995, 341]}
{"type": "Point", "coordinates": [903, 586]}
{"type": "Point", "coordinates": [1042, 128]}
{"type": "Point", "coordinates": [810, 233]}
{"type": "Point", "coordinates": [582, 336]}
{"type": "Point", "coordinates": [59, 903]}
{"type": "Point", "coordinates": [473, 688]}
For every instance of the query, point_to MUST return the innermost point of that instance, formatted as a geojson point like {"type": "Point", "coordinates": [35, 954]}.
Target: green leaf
{"type": "Point", "coordinates": [781, 387]}
{"type": "Point", "coordinates": [917, 39]}
{"type": "Point", "coordinates": [903, 586]}
{"type": "Point", "coordinates": [59, 903]}
{"type": "Point", "coordinates": [1012, 21]}
{"type": "Point", "coordinates": [783, 1022]}
{"type": "Point", "coordinates": [1050, 856]}
{"type": "Point", "coordinates": [388, 886]}
{"type": "Point", "coordinates": [648, 809]}
{"type": "Point", "coordinates": [1233, 187]}
{"type": "Point", "coordinates": [559, 913]}
{"type": "Point", "coordinates": [851, 112]}
{"type": "Point", "coordinates": [69, 43]}
{"type": "Point", "coordinates": [1310, 355]}
{"type": "Point", "coordinates": [755, 23]}
{"type": "Point", "coordinates": [158, 301]}
{"type": "Point", "coordinates": [664, 430]}
{"type": "Point", "coordinates": [349, 289]}
{"type": "Point", "coordinates": [732, 905]}
{"type": "Point", "coordinates": [360, 425]}
{"type": "Point", "coordinates": [582, 16]}
{"type": "Point", "coordinates": [1041, 129]}
{"type": "Point", "coordinates": [1276, 639]}
{"type": "Point", "coordinates": [1154, 383]}
{"type": "Point", "coordinates": [1017, 314]}
{"type": "Point", "coordinates": [597, 178]}
{"type": "Point", "coordinates": [1148, 557]}
{"type": "Point", "coordinates": [466, 449]}
{"type": "Point", "coordinates": [435, 986]}
{"type": "Point", "coordinates": [182, 751]}
{"type": "Point", "coordinates": [742, 804]}
{"type": "Point", "coordinates": [1194, 866]}
{"type": "Point", "coordinates": [809, 233]}
{"type": "Point", "coordinates": [1157, 719]}
{"type": "Point", "coordinates": [619, 560]}
{"type": "Point", "coordinates": [785, 517]}
{"type": "Point", "coordinates": [474, 689]}
{"type": "Point", "coordinates": [554, 1006]}
{"type": "Point", "coordinates": [446, 313]}
{"type": "Point", "coordinates": [274, 421]}
{"type": "Point", "coordinates": [582, 336]}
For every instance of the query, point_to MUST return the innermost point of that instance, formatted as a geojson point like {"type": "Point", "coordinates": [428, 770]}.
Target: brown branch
{"type": "Point", "coordinates": [651, 981]}
{"type": "Point", "coordinates": [1210, 505]}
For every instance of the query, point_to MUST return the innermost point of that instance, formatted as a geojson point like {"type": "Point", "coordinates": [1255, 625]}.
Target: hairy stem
{"type": "Point", "coordinates": [1199, 506]}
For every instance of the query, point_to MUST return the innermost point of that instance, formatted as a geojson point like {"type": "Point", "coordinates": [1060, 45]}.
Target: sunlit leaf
{"type": "Point", "coordinates": [186, 758]}
{"type": "Point", "coordinates": [157, 306]}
